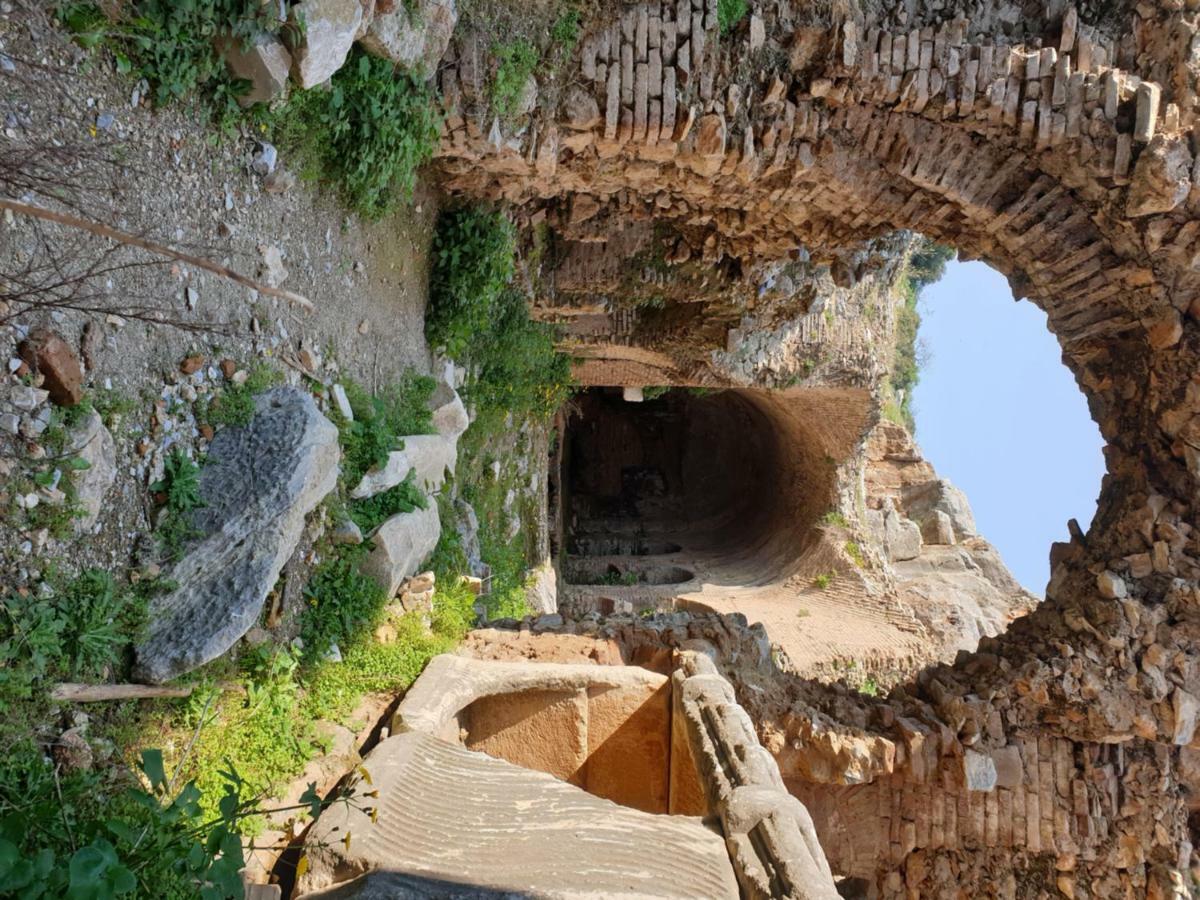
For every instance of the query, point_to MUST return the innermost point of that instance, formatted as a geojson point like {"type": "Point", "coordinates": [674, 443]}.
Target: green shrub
{"type": "Point", "coordinates": [854, 551]}
{"type": "Point", "coordinates": [473, 251]}
{"type": "Point", "coordinates": [234, 406]}
{"type": "Point", "coordinates": [926, 264]}
{"type": "Point", "coordinates": [515, 62]}
{"type": "Point", "coordinates": [834, 517]}
{"type": "Point", "coordinates": [729, 13]}
{"type": "Point", "coordinates": [368, 135]}
{"type": "Point", "coordinates": [372, 512]}
{"type": "Point", "coordinates": [342, 605]}
{"type": "Point", "coordinates": [181, 486]}
{"type": "Point", "coordinates": [380, 421]}
{"type": "Point", "coordinates": [515, 366]}
{"type": "Point", "coordinates": [564, 33]}
{"type": "Point", "coordinates": [171, 44]}
{"type": "Point", "coordinates": [821, 582]}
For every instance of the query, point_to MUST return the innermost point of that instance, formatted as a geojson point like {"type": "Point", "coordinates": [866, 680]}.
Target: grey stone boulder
{"type": "Point", "coordinates": [541, 591]}
{"type": "Point", "coordinates": [93, 443]}
{"type": "Point", "coordinates": [922, 499]}
{"type": "Point", "coordinates": [330, 27]}
{"type": "Point", "coordinates": [264, 62]}
{"type": "Point", "coordinates": [450, 418]}
{"type": "Point", "coordinates": [415, 40]}
{"type": "Point", "coordinates": [401, 545]}
{"type": "Point", "coordinates": [259, 483]}
{"type": "Point", "coordinates": [428, 456]}
{"type": "Point", "coordinates": [902, 537]}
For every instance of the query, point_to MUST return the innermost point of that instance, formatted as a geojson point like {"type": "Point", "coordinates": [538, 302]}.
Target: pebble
{"type": "Point", "coordinates": [28, 397]}
{"type": "Point", "coordinates": [105, 121]}
{"type": "Point", "coordinates": [264, 159]}
{"type": "Point", "coordinates": [193, 296]}
{"type": "Point", "coordinates": [10, 423]}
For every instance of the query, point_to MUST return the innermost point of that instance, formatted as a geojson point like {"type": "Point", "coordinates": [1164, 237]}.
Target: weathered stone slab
{"type": "Point", "coordinates": [401, 545]}
{"type": "Point", "coordinates": [330, 27]}
{"type": "Point", "coordinates": [264, 62]}
{"type": "Point", "coordinates": [416, 40]}
{"type": "Point", "coordinates": [259, 483]}
{"type": "Point", "coordinates": [503, 831]}
{"type": "Point", "coordinates": [93, 444]}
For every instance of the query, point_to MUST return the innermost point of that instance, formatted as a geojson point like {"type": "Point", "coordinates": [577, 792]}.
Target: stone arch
{"type": "Point", "coordinates": [1064, 159]}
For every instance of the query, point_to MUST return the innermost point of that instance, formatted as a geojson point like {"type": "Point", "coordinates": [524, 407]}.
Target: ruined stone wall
{"type": "Point", "coordinates": [1057, 144]}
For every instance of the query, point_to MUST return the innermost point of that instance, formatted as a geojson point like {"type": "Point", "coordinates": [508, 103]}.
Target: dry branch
{"type": "Point", "coordinates": [133, 240]}
{"type": "Point", "coordinates": [98, 693]}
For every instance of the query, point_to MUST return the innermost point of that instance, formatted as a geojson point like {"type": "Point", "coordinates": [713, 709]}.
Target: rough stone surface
{"type": "Point", "coordinates": [264, 62]}
{"type": "Point", "coordinates": [94, 445]}
{"type": "Point", "coordinates": [416, 40]}
{"type": "Point", "coordinates": [542, 591]}
{"type": "Point", "coordinates": [330, 27]}
{"type": "Point", "coordinates": [579, 845]}
{"type": "Point", "coordinates": [50, 356]}
{"type": "Point", "coordinates": [259, 483]}
{"type": "Point", "coordinates": [401, 545]}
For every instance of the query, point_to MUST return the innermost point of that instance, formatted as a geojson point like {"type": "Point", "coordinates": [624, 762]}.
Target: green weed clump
{"type": "Point", "coordinates": [381, 420]}
{"type": "Point", "coordinates": [234, 406]}
{"type": "Point", "coordinates": [926, 265]}
{"type": "Point", "coordinates": [729, 13]}
{"type": "Point", "coordinates": [342, 604]}
{"type": "Point", "coordinates": [821, 582]}
{"type": "Point", "coordinates": [515, 62]}
{"type": "Point", "coordinates": [371, 512]}
{"type": "Point", "coordinates": [368, 135]}
{"type": "Point", "coordinates": [477, 317]}
{"type": "Point", "coordinates": [174, 46]}
{"type": "Point", "coordinates": [180, 487]}
{"type": "Point", "coordinates": [473, 261]}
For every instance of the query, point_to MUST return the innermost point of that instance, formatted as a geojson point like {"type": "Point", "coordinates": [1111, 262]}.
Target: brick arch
{"type": "Point", "coordinates": [1044, 158]}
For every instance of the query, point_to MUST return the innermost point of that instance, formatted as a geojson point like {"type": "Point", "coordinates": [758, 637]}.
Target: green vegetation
{"type": "Point", "coordinates": [835, 518]}
{"type": "Point", "coordinates": [515, 62]}
{"type": "Point", "coordinates": [171, 45]}
{"type": "Point", "coordinates": [729, 13]}
{"type": "Point", "coordinates": [478, 318]}
{"type": "Point", "coordinates": [854, 551]}
{"type": "Point", "coordinates": [821, 582]}
{"type": "Point", "coordinates": [368, 135]}
{"type": "Point", "coordinates": [615, 577]}
{"type": "Point", "coordinates": [926, 265]}
{"type": "Point", "coordinates": [653, 393]}
{"type": "Point", "coordinates": [381, 421]}
{"type": "Point", "coordinates": [342, 604]}
{"type": "Point", "coordinates": [371, 512]}
{"type": "Point", "coordinates": [234, 406]}
{"type": "Point", "coordinates": [180, 489]}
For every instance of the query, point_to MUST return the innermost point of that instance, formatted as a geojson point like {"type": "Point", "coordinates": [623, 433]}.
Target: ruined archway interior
{"type": "Point", "coordinates": [771, 646]}
{"type": "Point", "coordinates": [688, 487]}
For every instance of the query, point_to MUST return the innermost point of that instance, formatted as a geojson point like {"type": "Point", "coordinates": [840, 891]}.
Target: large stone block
{"type": "Point", "coordinates": [401, 545]}
{"type": "Point", "coordinates": [263, 61]}
{"type": "Point", "coordinates": [414, 39]}
{"type": "Point", "coordinates": [330, 27]}
{"type": "Point", "coordinates": [259, 483]}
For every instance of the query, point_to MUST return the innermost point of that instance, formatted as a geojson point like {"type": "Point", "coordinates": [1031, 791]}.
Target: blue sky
{"type": "Point", "coordinates": [1000, 416]}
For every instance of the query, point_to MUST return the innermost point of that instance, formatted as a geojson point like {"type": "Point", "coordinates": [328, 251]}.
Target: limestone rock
{"type": "Point", "coordinates": [1161, 179]}
{"type": "Point", "coordinates": [922, 499]}
{"type": "Point", "coordinates": [979, 771]}
{"type": "Point", "coordinates": [52, 357]}
{"type": "Point", "coordinates": [260, 482]}
{"type": "Point", "coordinates": [937, 528]}
{"type": "Point", "coordinates": [541, 592]}
{"type": "Point", "coordinates": [416, 40]}
{"type": "Point", "coordinates": [482, 810]}
{"type": "Point", "coordinates": [401, 545]}
{"type": "Point", "coordinates": [330, 27]}
{"type": "Point", "coordinates": [580, 109]}
{"type": "Point", "coordinates": [902, 537]}
{"type": "Point", "coordinates": [450, 418]}
{"type": "Point", "coordinates": [429, 456]}
{"type": "Point", "coordinates": [467, 526]}
{"type": "Point", "coordinates": [93, 444]}
{"type": "Point", "coordinates": [264, 62]}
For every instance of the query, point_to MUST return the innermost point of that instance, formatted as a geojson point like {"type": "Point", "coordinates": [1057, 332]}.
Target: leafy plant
{"type": "Point", "coordinates": [821, 582]}
{"type": "Point", "coordinates": [515, 62]}
{"type": "Point", "coordinates": [564, 33]}
{"type": "Point", "coordinates": [473, 251]}
{"type": "Point", "coordinates": [729, 13]}
{"type": "Point", "coordinates": [380, 421]}
{"type": "Point", "coordinates": [234, 406]}
{"type": "Point", "coordinates": [854, 551]}
{"type": "Point", "coordinates": [369, 134]}
{"type": "Point", "coordinates": [100, 621]}
{"type": "Point", "coordinates": [342, 605]}
{"type": "Point", "coordinates": [176, 45]}
{"type": "Point", "coordinates": [516, 367]}
{"type": "Point", "coordinates": [180, 486]}
{"type": "Point", "coordinates": [372, 512]}
{"type": "Point", "coordinates": [834, 517]}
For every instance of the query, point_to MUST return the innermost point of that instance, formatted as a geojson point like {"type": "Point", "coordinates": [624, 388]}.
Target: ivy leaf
{"type": "Point", "coordinates": [152, 765]}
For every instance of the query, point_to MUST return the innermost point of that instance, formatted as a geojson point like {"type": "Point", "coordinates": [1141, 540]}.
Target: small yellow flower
{"type": "Point", "coordinates": [346, 841]}
{"type": "Point", "coordinates": [362, 770]}
{"type": "Point", "coordinates": [302, 866]}
{"type": "Point", "coordinates": [374, 815]}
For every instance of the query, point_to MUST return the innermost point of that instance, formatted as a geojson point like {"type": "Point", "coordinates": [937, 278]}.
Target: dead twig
{"type": "Point", "coordinates": [133, 240]}
{"type": "Point", "coordinates": [99, 693]}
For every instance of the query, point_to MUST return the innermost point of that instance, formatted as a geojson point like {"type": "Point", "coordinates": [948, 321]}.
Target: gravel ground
{"type": "Point", "coordinates": [166, 175]}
